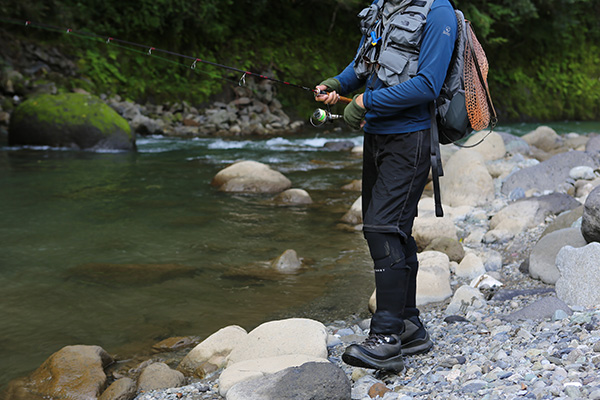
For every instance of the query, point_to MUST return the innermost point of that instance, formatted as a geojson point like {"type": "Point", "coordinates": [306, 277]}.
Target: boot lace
{"type": "Point", "coordinates": [375, 340]}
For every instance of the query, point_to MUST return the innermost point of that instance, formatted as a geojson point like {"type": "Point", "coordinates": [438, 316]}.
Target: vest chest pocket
{"type": "Point", "coordinates": [396, 66]}
{"type": "Point", "coordinates": [405, 31]}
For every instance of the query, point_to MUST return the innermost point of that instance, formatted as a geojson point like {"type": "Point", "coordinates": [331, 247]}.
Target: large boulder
{"type": "Point", "coordinates": [284, 337]}
{"type": "Point", "coordinates": [250, 177]}
{"type": "Point", "coordinates": [70, 120]}
{"type": "Point", "coordinates": [542, 260]}
{"type": "Point", "coordinates": [466, 180]}
{"type": "Point", "coordinates": [72, 373]}
{"type": "Point", "coordinates": [579, 282]}
{"type": "Point", "coordinates": [547, 175]}
{"type": "Point", "coordinates": [313, 380]}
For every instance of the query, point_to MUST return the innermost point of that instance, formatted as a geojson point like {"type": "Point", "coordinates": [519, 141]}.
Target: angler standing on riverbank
{"type": "Point", "coordinates": [402, 60]}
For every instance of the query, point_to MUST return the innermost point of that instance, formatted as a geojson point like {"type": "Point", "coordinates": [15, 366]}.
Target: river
{"type": "Point", "coordinates": [61, 209]}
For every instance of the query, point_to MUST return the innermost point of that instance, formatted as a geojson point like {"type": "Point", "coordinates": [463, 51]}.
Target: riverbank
{"type": "Point", "coordinates": [518, 337]}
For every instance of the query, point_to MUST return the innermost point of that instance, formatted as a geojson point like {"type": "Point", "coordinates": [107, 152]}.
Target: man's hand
{"type": "Point", "coordinates": [328, 97]}
{"type": "Point", "coordinates": [354, 113]}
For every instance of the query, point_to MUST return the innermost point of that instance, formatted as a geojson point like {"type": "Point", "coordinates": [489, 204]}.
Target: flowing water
{"type": "Point", "coordinates": [62, 210]}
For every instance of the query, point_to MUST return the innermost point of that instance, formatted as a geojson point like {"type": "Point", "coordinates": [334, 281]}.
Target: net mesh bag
{"type": "Point", "coordinates": [475, 93]}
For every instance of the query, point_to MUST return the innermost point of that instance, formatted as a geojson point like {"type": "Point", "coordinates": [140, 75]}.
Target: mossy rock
{"type": "Point", "coordinates": [70, 120]}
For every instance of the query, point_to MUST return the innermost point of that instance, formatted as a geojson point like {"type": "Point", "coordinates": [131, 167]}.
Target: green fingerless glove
{"type": "Point", "coordinates": [354, 114]}
{"type": "Point", "coordinates": [332, 84]}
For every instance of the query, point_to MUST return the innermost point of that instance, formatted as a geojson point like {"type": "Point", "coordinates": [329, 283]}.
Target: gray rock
{"type": "Point", "coordinates": [564, 220]}
{"type": "Point", "coordinates": [579, 283]}
{"type": "Point", "coordinates": [514, 144]}
{"type": "Point", "coordinates": [313, 381]}
{"type": "Point", "coordinates": [121, 389]}
{"type": "Point", "coordinates": [542, 260]}
{"type": "Point", "coordinates": [556, 203]}
{"type": "Point", "coordinates": [549, 174]}
{"type": "Point", "coordinates": [593, 147]}
{"type": "Point", "coordinates": [159, 376]}
{"type": "Point", "coordinates": [541, 309]}
{"type": "Point", "coordinates": [590, 224]}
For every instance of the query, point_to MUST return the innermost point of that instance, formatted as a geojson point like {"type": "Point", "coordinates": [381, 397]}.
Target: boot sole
{"type": "Point", "coordinates": [358, 359]}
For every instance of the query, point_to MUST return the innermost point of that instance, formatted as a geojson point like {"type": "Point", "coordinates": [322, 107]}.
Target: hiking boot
{"type": "Point", "coordinates": [378, 351]}
{"type": "Point", "coordinates": [415, 339]}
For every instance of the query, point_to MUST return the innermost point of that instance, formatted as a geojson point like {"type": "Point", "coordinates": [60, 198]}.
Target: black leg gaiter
{"type": "Point", "coordinates": [410, 254]}
{"type": "Point", "coordinates": [391, 280]}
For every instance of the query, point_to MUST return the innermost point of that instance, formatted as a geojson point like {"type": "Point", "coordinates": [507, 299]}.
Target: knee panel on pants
{"type": "Point", "coordinates": [386, 250]}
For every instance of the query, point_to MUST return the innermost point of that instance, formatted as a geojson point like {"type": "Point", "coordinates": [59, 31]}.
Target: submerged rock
{"type": "Point", "coordinates": [71, 120]}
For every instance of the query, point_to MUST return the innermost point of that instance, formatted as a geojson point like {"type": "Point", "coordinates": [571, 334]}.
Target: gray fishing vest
{"type": "Point", "coordinates": [391, 50]}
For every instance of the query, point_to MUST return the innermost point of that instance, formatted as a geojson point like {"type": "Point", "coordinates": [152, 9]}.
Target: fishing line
{"type": "Point", "coordinates": [151, 50]}
{"type": "Point", "coordinates": [318, 118]}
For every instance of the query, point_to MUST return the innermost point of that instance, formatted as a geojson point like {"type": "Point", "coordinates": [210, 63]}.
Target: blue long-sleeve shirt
{"type": "Point", "coordinates": [405, 107]}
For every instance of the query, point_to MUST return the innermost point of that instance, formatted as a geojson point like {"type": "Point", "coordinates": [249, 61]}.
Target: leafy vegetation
{"type": "Point", "coordinates": [543, 54]}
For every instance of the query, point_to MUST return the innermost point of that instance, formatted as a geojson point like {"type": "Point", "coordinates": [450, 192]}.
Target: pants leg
{"type": "Point", "coordinates": [395, 170]}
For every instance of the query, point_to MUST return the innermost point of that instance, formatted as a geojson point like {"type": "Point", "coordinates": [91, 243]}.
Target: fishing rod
{"type": "Point", "coordinates": [318, 118]}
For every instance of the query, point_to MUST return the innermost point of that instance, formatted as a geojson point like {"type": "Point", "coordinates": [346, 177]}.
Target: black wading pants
{"type": "Point", "coordinates": [395, 171]}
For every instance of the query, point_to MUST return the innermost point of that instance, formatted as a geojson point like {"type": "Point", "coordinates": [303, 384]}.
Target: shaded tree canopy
{"type": "Point", "coordinates": [544, 54]}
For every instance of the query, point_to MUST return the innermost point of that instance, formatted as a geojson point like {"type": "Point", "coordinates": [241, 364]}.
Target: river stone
{"type": "Point", "coordinates": [470, 267]}
{"type": "Point", "coordinates": [159, 376]}
{"type": "Point", "coordinates": [465, 297]}
{"type": "Point", "coordinates": [583, 172]}
{"type": "Point", "coordinates": [593, 147]}
{"type": "Point", "coordinates": [544, 138]}
{"type": "Point", "coordinates": [564, 220]}
{"type": "Point", "coordinates": [293, 197]}
{"type": "Point", "coordinates": [251, 177]}
{"type": "Point", "coordinates": [466, 180]}
{"type": "Point", "coordinates": [174, 343]}
{"type": "Point", "coordinates": [130, 274]}
{"type": "Point", "coordinates": [541, 309]}
{"type": "Point", "coordinates": [590, 223]}
{"type": "Point", "coordinates": [354, 215]}
{"type": "Point", "coordinates": [542, 260]}
{"type": "Point", "coordinates": [220, 343]}
{"type": "Point", "coordinates": [312, 380]}
{"type": "Point", "coordinates": [253, 369]}
{"type": "Point", "coordinates": [73, 372]}
{"type": "Point", "coordinates": [433, 279]}
{"type": "Point", "coordinates": [427, 228]}
{"type": "Point", "coordinates": [517, 217]}
{"type": "Point", "coordinates": [549, 174]}
{"type": "Point", "coordinates": [491, 148]}
{"type": "Point", "coordinates": [354, 186]}
{"type": "Point", "coordinates": [71, 120]}
{"type": "Point", "coordinates": [514, 144]}
{"type": "Point", "coordinates": [579, 282]}
{"type": "Point", "coordinates": [283, 337]}
{"type": "Point", "coordinates": [449, 246]}
{"type": "Point", "coordinates": [121, 389]}
{"type": "Point", "coordinates": [287, 263]}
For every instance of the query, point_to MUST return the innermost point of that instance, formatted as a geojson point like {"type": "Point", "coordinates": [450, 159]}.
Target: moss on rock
{"type": "Point", "coordinates": [69, 120]}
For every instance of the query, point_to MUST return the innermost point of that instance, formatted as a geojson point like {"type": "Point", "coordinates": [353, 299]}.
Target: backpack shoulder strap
{"type": "Point", "coordinates": [436, 162]}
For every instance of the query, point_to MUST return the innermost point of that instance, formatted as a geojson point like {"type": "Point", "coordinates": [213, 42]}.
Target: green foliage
{"type": "Point", "coordinates": [542, 53]}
